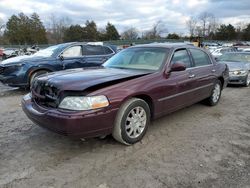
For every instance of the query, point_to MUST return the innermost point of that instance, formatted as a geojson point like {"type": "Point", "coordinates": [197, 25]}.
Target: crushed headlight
{"type": "Point", "coordinates": [84, 103]}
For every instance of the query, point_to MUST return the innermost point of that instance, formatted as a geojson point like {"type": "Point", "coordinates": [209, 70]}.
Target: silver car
{"type": "Point", "coordinates": [239, 67]}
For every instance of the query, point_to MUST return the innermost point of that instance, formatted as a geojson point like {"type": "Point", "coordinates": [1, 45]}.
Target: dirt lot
{"type": "Point", "coordinates": [198, 146]}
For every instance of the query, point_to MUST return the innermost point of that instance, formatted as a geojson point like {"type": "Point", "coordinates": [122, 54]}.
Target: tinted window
{"type": "Point", "coordinates": [181, 56]}
{"type": "Point", "coordinates": [107, 50]}
{"type": "Point", "coordinates": [93, 50]}
{"type": "Point", "coordinates": [200, 57]}
{"type": "Point", "coordinates": [74, 51]}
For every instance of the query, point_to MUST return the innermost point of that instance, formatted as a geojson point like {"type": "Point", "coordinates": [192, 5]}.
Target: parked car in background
{"type": "Point", "coordinates": [21, 71]}
{"type": "Point", "coordinates": [239, 67]}
{"type": "Point", "coordinates": [246, 50]}
{"type": "Point", "coordinates": [9, 53]}
{"type": "Point", "coordinates": [220, 51]}
{"type": "Point", "coordinates": [138, 84]}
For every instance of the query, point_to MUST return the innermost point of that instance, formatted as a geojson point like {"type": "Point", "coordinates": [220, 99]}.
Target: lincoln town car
{"type": "Point", "coordinates": [122, 97]}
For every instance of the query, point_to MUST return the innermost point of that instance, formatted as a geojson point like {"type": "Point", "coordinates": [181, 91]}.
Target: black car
{"type": "Point", "coordinates": [20, 71]}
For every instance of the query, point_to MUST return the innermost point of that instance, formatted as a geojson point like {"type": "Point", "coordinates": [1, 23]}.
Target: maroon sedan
{"type": "Point", "coordinates": [137, 85]}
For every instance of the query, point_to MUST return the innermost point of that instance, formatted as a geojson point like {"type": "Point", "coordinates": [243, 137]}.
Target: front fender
{"type": "Point", "coordinates": [33, 69]}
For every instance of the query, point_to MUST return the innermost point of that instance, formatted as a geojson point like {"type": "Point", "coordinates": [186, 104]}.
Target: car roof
{"type": "Point", "coordinates": [165, 45]}
{"type": "Point", "coordinates": [85, 43]}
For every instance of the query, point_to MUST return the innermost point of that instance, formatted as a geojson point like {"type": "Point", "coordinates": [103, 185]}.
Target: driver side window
{"type": "Point", "coordinates": [74, 51]}
{"type": "Point", "coordinates": [181, 56]}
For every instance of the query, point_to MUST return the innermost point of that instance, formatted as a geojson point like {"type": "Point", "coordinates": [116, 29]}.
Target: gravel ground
{"type": "Point", "coordinates": [198, 146]}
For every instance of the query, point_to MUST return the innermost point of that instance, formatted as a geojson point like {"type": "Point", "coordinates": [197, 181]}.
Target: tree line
{"type": "Point", "coordinates": [22, 29]}
{"type": "Point", "coordinates": [206, 25]}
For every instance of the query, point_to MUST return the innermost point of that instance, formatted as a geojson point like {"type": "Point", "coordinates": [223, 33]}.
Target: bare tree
{"type": "Point", "coordinates": [130, 34]}
{"type": "Point", "coordinates": [240, 26]}
{"type": "Point", "coordinates": [191, 25]}
{"type": "Point", "coordinates": [206, 19]}
{"type": "Point", "coordinates": [198, 31]}
{"type": "Point", "coordinates": [157, 30]}
{"type": "Point", "coordinates": [56, 28]}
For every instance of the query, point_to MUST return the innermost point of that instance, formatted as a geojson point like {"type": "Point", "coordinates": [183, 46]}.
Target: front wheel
{"type": "Point", "coordinates": [131, 121]}
{"type": "Point", "coordinates": [247, 82]}
{"type": "Point", "coordinates": [36, 74]}
{"type": "Point", "coordinates": [215, 95]}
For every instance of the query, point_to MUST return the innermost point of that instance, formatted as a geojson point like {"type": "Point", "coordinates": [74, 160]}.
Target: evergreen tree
{"type": "Point", "coordinates": [246, 33]}
{"type": "Point", "coordinates": [90, 32]}
{"type": "Point", "coordinates": [111, 32]}
{"type": "Point", "coordinates": [38, 31]}
{"type": "Point", "coordinates": [21, 29]}
{"type": "Point", "coordinates": [73, 33]}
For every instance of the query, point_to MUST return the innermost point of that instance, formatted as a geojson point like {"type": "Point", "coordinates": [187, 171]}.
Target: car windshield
{"type": "Point", "coordinates": [235, 57]}
{"type": "Point", "coordinates": [149, 58]}
{"type": "Point", "coordinates": [48, 52]}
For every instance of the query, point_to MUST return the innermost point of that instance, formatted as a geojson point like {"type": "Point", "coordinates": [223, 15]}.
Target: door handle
{"type": "Point", "coordinates": [213, 70]}
{"type": "Point", "coordinates": [191, 76]}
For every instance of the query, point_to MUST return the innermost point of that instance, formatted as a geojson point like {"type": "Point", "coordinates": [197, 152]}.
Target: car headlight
{"type": "Point", "coordinates": [243, 72]}
{"type": "Point", "coordinates": [239, 72]}
{"type": "Point", "coordinates": [84, 103]}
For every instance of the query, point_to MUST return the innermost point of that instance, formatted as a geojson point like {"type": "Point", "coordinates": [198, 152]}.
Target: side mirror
{"type": "Point", "coordinates": [61, 57]}
{"type": "Point", "coordinates": [178, 66]}
{"type": "Point", "coordinates": [216, 58]}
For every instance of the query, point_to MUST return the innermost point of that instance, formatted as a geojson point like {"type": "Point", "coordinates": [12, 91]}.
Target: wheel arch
{"type": "Point", "coordinates": [148, 100]}
{"type": "Point", "coordinates": [31, 72]}
{"type": "Point", "coordinates": [221, 79]}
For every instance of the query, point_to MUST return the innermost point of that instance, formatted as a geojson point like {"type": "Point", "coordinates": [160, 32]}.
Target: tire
{"type": "Point", "coordinates": [215, 94]}
{"type": "Point", "coordinates": [247, 82]}
{"type": "Point", "coordinates": [36, 74]}
{"type": "Point", "coordinates": [132, 121]}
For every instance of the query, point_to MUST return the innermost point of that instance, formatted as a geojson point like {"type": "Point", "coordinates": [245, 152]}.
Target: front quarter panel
{"type": "Point", "coordinates": [50, 65]}
{"type": "Point", "coordinates": [154, 86]}
{"type": "Point", "coordinates": [222, 72]}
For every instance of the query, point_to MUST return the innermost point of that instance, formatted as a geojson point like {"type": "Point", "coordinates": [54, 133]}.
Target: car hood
{"type": "Point", "coordinates": [235, 65]}
{"type": "Point", "coordinates": [24, 59]}
{"type": "Point", "coordinates": [81, 79]}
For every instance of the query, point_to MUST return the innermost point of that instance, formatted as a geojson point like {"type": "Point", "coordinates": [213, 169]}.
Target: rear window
{"type": "Point", "coordinates": [107, 50]}
{"type": "Point", "coordinates": [93, 50]}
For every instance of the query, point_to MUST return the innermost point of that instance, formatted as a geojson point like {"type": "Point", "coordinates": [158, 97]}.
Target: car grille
{"type": "Point", "coordinates": [1, 70]}
{"type": "Point", "coordinates": [44, 94]}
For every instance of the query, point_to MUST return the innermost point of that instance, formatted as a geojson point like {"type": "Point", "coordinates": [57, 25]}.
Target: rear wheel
{"type": "Point", "coordinates": [215, 95]}
{"type": "Point", "coordinates": [132, 121]}
{"type": "Point", "coordinates": [36, 74]}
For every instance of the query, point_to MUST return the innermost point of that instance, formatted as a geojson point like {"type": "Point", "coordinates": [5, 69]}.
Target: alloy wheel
{"type": "Point", "coordinates": [135, 122]}
{"type": "Point", "coordinates": [216, 93]}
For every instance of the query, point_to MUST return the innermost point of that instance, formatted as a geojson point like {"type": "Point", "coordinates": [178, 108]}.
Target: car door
{"type": "Point", "coordinates": [204, 73]}
{"type": "Point", "coordinates": [183, 81]}
{"type": "Point", "coordinates": [72, 57]}
{"type": "Point", "coordinates": [94, 55]}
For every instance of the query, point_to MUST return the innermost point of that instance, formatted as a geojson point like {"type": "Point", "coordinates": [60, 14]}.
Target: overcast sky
{"type": "Point", "coordinates": [130, 13]}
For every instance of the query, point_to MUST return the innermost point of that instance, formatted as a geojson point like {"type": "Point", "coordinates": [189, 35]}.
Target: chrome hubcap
{"type": "Point", "coordinates": [135, 122]}
{"type": "Point", "coordinates": [216, 93]}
